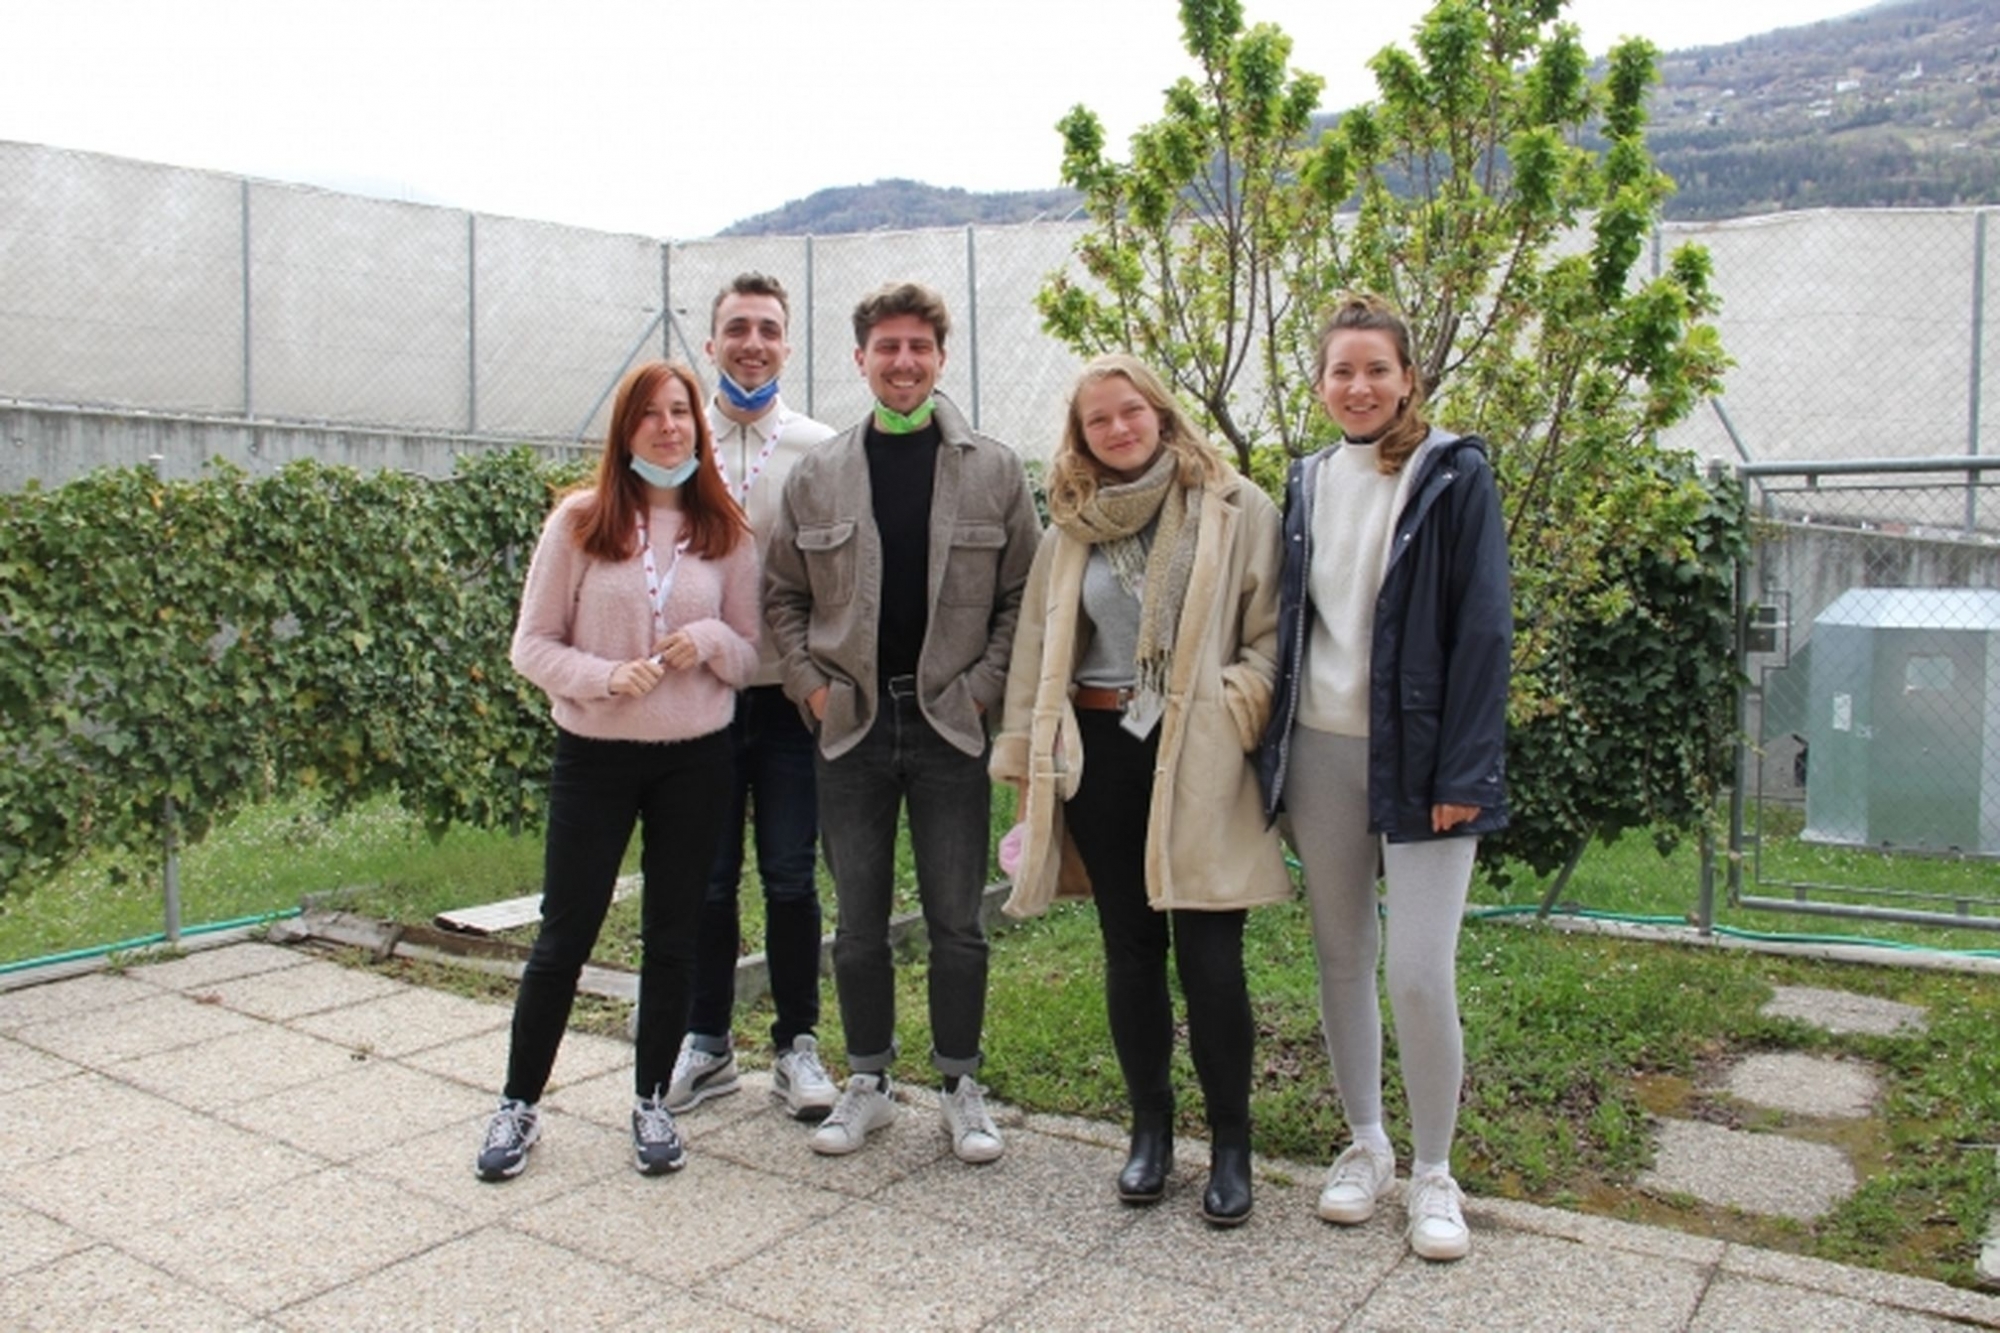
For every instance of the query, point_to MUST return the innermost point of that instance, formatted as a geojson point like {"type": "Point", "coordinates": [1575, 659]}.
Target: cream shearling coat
{"type": "Point", "coordinates": [1207, 844]}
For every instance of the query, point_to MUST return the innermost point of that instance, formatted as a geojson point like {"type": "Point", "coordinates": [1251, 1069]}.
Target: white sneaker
{"type": "Point", "coordinates": [1357, 1178]}
{"type": "Point", "coordinates": [974, 1138]}
{"type": "Point", "coordinates": [801, 1081]}
{"type": "Point", "coordinates": [862, 1109]}
{"type": "Point", "coordinates": [1437, 1227]}
{"type": "Point", "coordinates": [699, 1075]}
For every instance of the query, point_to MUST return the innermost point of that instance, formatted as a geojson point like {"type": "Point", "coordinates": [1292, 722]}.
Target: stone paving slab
{"type": "Point", "coordinates": [24, 1066]}
{"type": "Point", "coordinates": [298, 1238]}
{"type": "Point", "coordinates": [406, 1021]}
{"type": "Point", "coordinates": [1807, 1085]}
{"type": "Point", "coordinates": [237, 1068]}
{"type": "Point", "coordinates": [931, 1274]}
{"type": "Point", "coordinates": [342, 1117]}
{"type": "Point", "coordinates": [25, 1004]}
{"type": "Point", "coordinates": [104, 1288]}
{"type": "Point", "coordinates": [44, 1121]}
{"type": "Point", "coordinates": [1759, 1173]}
{"type": "Point", "coordinates": [1843, 1011]}
{"type": "Point", "coordinates": [1515, 1281]}
{"type": "Point", "coordinates": [210, 967]}
{"type": "Point", "coordinates": [158, 1021]}
{"type": "Point", "coordinates": [348, 1201]}
{"type": "Point", "coordinates": [34, 1240]}
{"type": "Point", "coordinates": [1735, 1306]}
{"type": "Point", "coordinates": [498, 1279]}
{"type": "Point", "coordinates": [294, 992]}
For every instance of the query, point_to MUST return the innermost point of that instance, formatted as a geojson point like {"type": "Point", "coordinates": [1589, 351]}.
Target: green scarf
{"type": "Point", "coordinates": [1116, 518]}
{"type": "Point", "coordinates": [891, 422]}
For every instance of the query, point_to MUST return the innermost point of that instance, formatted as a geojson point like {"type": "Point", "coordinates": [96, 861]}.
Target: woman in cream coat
{"type": "Point", "coordinates": [1139, 686]}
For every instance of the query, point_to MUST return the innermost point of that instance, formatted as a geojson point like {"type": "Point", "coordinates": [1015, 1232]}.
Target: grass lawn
{"type": "Point", "coordinates": [1572, 1041]}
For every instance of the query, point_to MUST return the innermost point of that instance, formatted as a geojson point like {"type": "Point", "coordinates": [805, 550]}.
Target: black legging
{"type": "Point", "coordinates": [1107, 819]}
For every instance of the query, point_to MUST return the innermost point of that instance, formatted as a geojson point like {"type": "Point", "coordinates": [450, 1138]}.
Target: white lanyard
{"type": "Point", "coordinates": [657, 588]}
{"type": "Point", "coordinates": [763, 457]}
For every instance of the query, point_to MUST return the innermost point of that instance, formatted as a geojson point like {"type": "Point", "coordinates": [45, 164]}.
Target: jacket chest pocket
{"type": "Point", "coordinates": [973, 568]}
{"type": "Point", "coordinates": [830, 554]}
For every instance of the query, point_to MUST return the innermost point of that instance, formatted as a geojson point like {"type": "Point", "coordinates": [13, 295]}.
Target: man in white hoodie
{"type": "Point", "coordinates": [757, 440]}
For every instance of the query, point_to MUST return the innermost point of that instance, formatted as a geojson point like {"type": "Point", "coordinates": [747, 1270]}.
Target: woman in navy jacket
{"type": "Point", "coordinates": [1387, 743]}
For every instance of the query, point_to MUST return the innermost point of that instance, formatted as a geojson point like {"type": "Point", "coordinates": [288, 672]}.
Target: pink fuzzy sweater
{"type": "Point", "coordinates": [580, 617]}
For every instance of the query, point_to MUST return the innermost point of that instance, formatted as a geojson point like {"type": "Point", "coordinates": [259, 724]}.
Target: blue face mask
{"type": "Point", "coordinates": [748, 400]}
{"type": "Point", "coordinates": [668, 478]}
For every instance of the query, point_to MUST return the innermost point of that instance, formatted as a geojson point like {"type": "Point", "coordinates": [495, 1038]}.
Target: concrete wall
{"type": "Point", "coordinates": [54, 445]}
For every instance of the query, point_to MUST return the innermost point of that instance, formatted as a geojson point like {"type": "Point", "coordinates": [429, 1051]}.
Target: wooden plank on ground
{"type": "Point", "coordinates": [511, 913]}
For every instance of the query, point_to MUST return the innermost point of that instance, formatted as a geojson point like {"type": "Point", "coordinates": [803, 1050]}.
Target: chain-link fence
{"type": "Point", "coordinates": [147, 309]}
{"type": "Point", "coordinates": [1872, 652]}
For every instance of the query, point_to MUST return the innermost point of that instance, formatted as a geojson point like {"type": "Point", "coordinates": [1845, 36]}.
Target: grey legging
{"type": "Point", "coordinates": [1326, 791]}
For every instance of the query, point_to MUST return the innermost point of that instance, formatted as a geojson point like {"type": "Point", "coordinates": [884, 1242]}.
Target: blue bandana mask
{"type": "Point", "coordinates": [668, 478]}
{"type": "Point", "coordinates": [748, 400]}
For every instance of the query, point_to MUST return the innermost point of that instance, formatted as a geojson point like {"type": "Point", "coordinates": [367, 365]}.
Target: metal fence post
{"type": "Point", "coordinates": [666, 300]}
{"type": "Point", "coordinates": [471, 323]}
{"type": "Point", "coordinates": [243, 232]}
{"type": "Point", "coordinates": [1978, 357]}
{"type": "Point", "coordinates": [812, 380]}
{"type": "Point", "coordinates": [972, 316]}
{"type": "Point", "coordinates": [170, 818]}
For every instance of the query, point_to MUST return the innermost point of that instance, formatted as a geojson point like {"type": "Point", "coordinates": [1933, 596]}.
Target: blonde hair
{"type": "Point", "coordinates": [1074, 475]}
{"type": "Point", "coordinates": [1365, 310]}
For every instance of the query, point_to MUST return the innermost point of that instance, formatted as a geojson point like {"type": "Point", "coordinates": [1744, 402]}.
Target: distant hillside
{"type": "Point", "coordinates": [1898, 104]}
{"type": "Point", "coordinates": [898, 205]}
{"type": "Point", "coordinates": [1895, 105]}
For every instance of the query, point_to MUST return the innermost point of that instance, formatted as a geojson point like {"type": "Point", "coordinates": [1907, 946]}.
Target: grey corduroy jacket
{"type": "Point", "coordinates": [823, 583]}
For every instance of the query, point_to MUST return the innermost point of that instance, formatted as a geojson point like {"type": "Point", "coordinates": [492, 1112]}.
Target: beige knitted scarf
{"type": "Point", "coordinates": [1116, 518]}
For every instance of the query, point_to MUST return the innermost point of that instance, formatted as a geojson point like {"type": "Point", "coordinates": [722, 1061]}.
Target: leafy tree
{"type": "Point", "coordinates": [1469, 193]}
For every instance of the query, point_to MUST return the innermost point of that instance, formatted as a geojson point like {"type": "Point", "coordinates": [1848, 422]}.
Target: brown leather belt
{"type": "Point", "coordinates": [1101, 697]}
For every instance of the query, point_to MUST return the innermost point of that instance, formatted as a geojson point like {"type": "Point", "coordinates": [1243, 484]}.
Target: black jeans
{"type": "Point", "coordinates": [675, 792]}
{"type": "Point", "coordinates": [903, 761]}
{"type": "Point", "coordinates": [1107, 819]}
{"type": "Point", "coordinates": [774, 789]}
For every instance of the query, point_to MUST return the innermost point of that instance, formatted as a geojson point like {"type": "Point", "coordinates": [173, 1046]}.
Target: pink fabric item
{"type": "Point", "coordinates": [1010, 848]}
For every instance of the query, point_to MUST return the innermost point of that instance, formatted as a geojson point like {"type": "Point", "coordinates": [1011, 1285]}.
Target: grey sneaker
{"type": "Point", "coordinates": [656, 1143]}
{"type": "Point", "coordinates": [1437, 1226]}
{"type": "Point", "coordinates": [801, 1081]}
{"type": "Point", "coordinates": [862, 1109]}
{"type": "Point", "coordinates": [974, 1138]}
{"type": "Point", "coordinates": [513, 1130]}
{"type": "Point", "coordinates": [699, 1075]}
{"type": "Point", "coordinates": [1357, 1178]}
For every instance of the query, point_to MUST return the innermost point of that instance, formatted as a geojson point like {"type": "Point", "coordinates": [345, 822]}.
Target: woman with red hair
{"type": "Point", "coordinates": [639, 620]}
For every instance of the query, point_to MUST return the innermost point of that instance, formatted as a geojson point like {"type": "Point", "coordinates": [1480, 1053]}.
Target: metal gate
{"type": "Point", "coordinates": [1868, 781]}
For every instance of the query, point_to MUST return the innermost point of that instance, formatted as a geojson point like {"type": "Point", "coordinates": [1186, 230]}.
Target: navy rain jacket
{"type": "Point", "coordinates": [1442, 648]}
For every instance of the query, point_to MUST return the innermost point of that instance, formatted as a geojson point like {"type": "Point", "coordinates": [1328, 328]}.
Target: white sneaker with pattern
{"type": "Point", "coordinates": [800, 1081]}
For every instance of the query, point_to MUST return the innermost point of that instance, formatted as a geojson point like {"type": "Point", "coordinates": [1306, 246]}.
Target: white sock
{"type": "Point", "coordinates": [1373, 1136]}
{"type": "Point", "coordinates": [1429, 1168]}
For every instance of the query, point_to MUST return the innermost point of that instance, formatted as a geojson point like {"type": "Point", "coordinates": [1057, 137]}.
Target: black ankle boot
{"type": "Point", "coordinates": [1150, 1162]}
{"type": "Point", "coordinates": [1226, 1201]}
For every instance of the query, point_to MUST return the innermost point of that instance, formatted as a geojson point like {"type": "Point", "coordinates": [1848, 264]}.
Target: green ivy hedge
{"type": "Point", "coordinates": [223, 640]}
{"type": "Point", "coordinates": [323, 630]}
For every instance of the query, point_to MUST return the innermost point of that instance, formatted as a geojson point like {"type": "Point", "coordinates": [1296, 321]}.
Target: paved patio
{"type": "Point", "coordinates": [250, 1137]}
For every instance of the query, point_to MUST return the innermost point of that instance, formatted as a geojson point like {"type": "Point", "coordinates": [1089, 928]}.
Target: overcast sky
{"type": "Point", "coordinates": [664, 117]}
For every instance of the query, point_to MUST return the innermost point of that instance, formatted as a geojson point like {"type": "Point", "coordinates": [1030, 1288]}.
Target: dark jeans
{"type": "Point", "coordinates": [774, 778]}
{"type": "Point", "coordinates": [675, 792]}
{"type": "Point", "coordinates": [902, 759]}
{"type": "Point", "coordinates": [1107, 819]}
